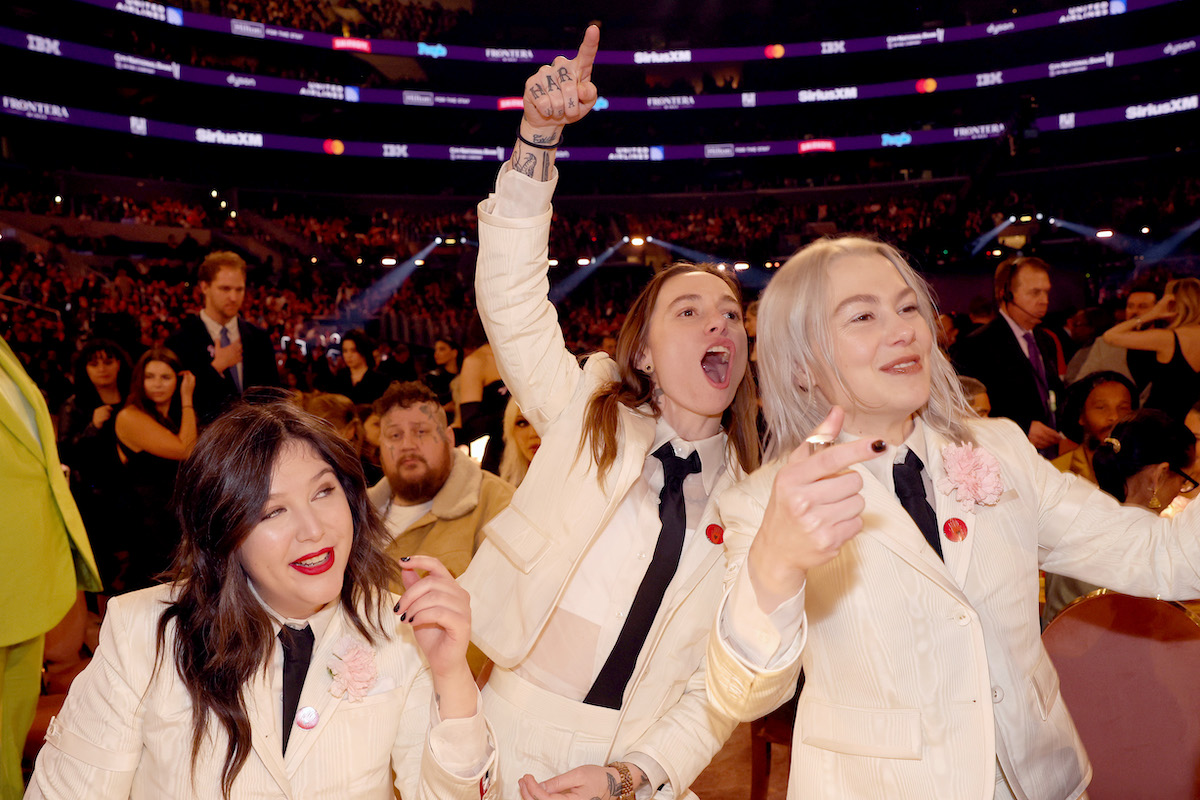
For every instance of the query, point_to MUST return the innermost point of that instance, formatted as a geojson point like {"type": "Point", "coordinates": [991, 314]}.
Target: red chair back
{"type": "Point", "coordinates": [1129, 672]}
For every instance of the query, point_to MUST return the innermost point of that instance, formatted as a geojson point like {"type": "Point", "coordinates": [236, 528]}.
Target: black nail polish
{"type": "Point", "coordinates": [879, 445]}
{"type": "Point", "coordinates": [396, 608]}
{"type": "Point", "coordinates": [405, 558]}
{"type": "Point", "coordinates": [404, 616]}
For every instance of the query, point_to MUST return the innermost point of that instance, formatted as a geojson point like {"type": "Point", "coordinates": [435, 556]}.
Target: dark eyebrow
{"type": "Point", "coordinates": [695, 298]}
{"type": "Point", "coordinates": [327, 471]}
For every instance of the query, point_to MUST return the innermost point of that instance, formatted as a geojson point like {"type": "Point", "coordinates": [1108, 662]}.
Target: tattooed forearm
{"type": "Point", "coordinates": [546, 138]}
{"type": "Point", "coordinates": [614, 786]}
{"type": "Point", "coordinates": [527, 164]}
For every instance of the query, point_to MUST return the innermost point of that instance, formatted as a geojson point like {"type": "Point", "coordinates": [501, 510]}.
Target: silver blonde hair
{"type": "Point", "coordinates": [795, 341]}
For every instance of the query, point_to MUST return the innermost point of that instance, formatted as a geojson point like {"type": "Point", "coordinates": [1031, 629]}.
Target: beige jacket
{"type": "Point", "coordinates": [453, 528]}
{"type": "Point", "coordinates": [125, 731]}
{"type": "Point", "coordinates": [534, 546]}
{"type": "Point", "coordinates": [920, 674]}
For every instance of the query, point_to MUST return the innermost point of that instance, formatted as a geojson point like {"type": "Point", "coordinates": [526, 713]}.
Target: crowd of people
{"type": "Point", "coordinates": [388, 19]}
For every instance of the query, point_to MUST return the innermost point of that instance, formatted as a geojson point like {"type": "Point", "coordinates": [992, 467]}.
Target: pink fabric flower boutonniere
{"type": "Point", "coordinates": [352, 666]}
{"type": "Point", "coordinates": [972, 475]}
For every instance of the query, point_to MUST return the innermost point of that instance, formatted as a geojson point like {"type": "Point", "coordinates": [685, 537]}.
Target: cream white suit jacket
{"type": "Point", "coordinates": [125, 731]}
{"type": "Point", "coordinates": [535, 545]}
{"type": "Point", "coordinates": [920, 674]}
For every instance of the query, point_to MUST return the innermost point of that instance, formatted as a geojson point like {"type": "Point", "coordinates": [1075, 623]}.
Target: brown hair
{"type": "Point", "coordinates": [137, 387]}
{"type": "Point", "coordinates": [223, 634]}
{"type": "Point", "coordinates": [407, 395]}
{"type": "Point", "coordinates": [216, 261]}
{"type": "Point", "coordinates": [634, 389]}
{"type": "Point", "coordinates": [1010, 269]}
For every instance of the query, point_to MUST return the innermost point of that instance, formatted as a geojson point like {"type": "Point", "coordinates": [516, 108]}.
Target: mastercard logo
{"type": "Point", "coordinates": [334, 147]}
{"type": "Point", "coordinates": [926, 86]}
{"type": "Point", "coordinates": [773, 51]}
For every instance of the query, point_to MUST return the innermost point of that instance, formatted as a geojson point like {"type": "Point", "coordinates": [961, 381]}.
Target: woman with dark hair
{"type": "Point", "coordinates": [88, 446]}
{"type": "Point", "coordinates": [595, 589]}
{"type": "Point", "coordinates": [155, 431]}
{"type": "Point", "coordinates": [1094, 404]}
{"type": "Point", "coordinates": [273, 665]}
{"type": "Point", "coordinates": [1145, 460]}
{"type": "Point", "coordinates": [480, 397]}
{"type": "Point", "coordinates": [358, 379]}
{"type": "Point", "coordinates": [891, 549]}
{"type": "Point", "coordinates": [447, 360]}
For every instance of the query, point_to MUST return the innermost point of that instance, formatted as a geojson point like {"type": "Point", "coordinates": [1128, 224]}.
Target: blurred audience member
{"type": "Point", "coordinates": [977, 396]}
{"type": "Point", "coordinates": [1094, 405]}
{"type": "Point", "coordinates": [447, 358]}
{"type": "Point", "coordinates": [482, 398]}
{"type": "Point", "coordinates": [358, 379]}
{"type": "Point", "coordinates": [521, 442]}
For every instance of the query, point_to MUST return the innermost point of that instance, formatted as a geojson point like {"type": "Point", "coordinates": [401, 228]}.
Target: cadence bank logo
{"type": "Point", "coordinates": [476, 153]}
{"type": "Point", "coordinates": [816, 146]}
{"type": "Point", "coordinates": [414, 98]}
{"type": "Point", "coordinates": [507, 55]}
{"type": "Point", "coordinates": [240, 81]}
{"type": "Point", "coordinates": [662, 57]}
{"type": "Point", "coordinates": [674, 101]}
{"type": "Point", "coordinates": [1161, 109]}
{"type": "Point", "coordinates": [914, 39]}
{"type": "Point", "coordinates": [234, 138]}
{"type": "Point", "coordinates": [989, 131]}
{"type": "Point", "coordinates": [240, 27]}
{"type": "Point", "coordinates": [1057, 68]}
{"type": "Point", "coordinates": [718, 151]}
{"type": "Point", "coordinates": [1175, 48]}
{"type": "Point", "coordinates": [31, 109]}
{"type": "Point", "coordinates": [40, 44]}
{"type": "Point", "coordinates": [825, 95]}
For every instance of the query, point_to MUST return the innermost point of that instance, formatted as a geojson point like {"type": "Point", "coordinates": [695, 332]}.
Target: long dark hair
{"type": "Point", "coordinates": [222, 633]}
{"type": "Point", "coordinates": [1140, 440]}
{"type": "Point", "coordinates": [137, 388]}
{"type": "Point", "coordinates": [86, 396]}
{"type": "Point", "coordinates": [635, 389]}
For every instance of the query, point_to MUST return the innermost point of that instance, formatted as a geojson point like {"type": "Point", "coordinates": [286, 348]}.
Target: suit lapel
{"type": "Point", "coordinates": [315, 694]}
{"type": "Point", "coordinates": [958, 554]}
{"type": "Point", "coordinates": [10, 417]}
{"type": "Point", "coordinates": [895, 529]}
{"type": "Point", "coordinates": [264, 709]}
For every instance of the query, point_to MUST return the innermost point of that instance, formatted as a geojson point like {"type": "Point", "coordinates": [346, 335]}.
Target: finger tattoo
{"type": "Point", "coordinates": [551, 83]}
{"type": "Point", "coordinates": [536, 91]}
{"type": "Point", "coordinates": [564, 75]}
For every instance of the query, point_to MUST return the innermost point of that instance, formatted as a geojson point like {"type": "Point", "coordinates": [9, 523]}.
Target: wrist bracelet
{"type": "Point", "coordinates": [553, 146]}
{"type": "Point", "coordinates": [626, 780]}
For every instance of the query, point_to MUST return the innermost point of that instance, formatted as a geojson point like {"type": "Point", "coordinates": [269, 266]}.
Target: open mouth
{"type": "Point", "coordinates": [903, 366]}
{"type": "Point", "coordinates": [715, 364]}
{"type": "Point", "coordinates": [314, 563]}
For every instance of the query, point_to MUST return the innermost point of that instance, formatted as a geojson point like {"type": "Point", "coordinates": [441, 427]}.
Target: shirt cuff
{"type": "Point", "coordinates": [761, 640]}
{"type": "Point", "coordinates": [519, 196]}
{"type": "Point", "coordinates": [460, 746]}
{"type": "Point", "coordinates": [655, 774]}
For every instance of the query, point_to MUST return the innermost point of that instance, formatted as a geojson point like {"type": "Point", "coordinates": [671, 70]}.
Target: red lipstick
{"type": "Point", "coordinates": [323, 560]}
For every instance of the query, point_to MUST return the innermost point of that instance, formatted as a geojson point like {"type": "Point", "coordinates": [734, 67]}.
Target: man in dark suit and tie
{"type": "Point", "coordinates": [226, 354]}
{"type": "Point", "coordinates": [1015, 359]}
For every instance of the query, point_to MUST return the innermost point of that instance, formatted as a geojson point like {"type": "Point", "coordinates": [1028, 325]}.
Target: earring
{"type": "Point", "coordinates": [1154, 501]}
{"type": "Point", "coordinates": [648, 369]}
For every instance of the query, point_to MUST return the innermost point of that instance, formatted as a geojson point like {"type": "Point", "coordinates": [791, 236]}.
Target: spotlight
{"type": "Point", "coordinates": [437, 240]}
{"type": "Point", "coordinates": [1012, 219]}
{"type": "Point", "coordinates": [997, 253]}
{"type": "Point", "coordinates": [314, 259]}
{"type": "Point", "coordinates": [637, 241]}
{"type": "Point", "coordinates": [213, 193]}
{"type": "Point", "coordinates": [358, 261]}
{"type": "Point", "coordinates": [583, 262]}
{"type": "Point", "coordinates": [224, 204]}
{"type": "Point", "coordinates": [1145, 229]}
{"type": "Point", "coordinates": [1104, 233]}
{"type": "Point", "coordinates": [388, 261]}
{"type": "Point", "coordinates": [554, 262]}
{"type": "Point", "coordinates": [767, 265]}
{"type": "Point", "coordinates": [1053, 221]}
{"type": "Point", "coordinates": [649, 238]}
{"type": "Point", "coordinates": [1039, 216]}
{"type": "Point", "coordinates": [420, 262]}
{"type": "Point", "coordinates": [1026, 218]}
{"type": "Point", "coordinates": [232, 214]}
{"type": "Point", "coordinates": [624, 238]}
{"type": "Point", "coordinates": [451, 241]}
{"type": "Point", "coordinates": [721, 266]}
{"type": "Point", "coordinates": [58, 199]}
{"type": "Point", "coordinates": [741, 266]}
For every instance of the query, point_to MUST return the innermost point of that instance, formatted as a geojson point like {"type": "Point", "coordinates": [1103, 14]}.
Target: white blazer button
{"type": "Point", "coordinates": [997, 694]}
{"type": "Point", "coordinates": [962, 618]}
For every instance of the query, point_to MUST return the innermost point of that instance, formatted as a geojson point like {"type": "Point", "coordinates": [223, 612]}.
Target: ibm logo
{"type": "Point", "coordinates": [989, 79]}
{"type": "Point", "coordinates": [40, 44]}
{"type": "Point", "coordinates": [830, 48]}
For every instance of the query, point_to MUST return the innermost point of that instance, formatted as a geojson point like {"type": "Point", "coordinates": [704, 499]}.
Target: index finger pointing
{"type": "Point", "coordinates": [587, 53]}
{"type": "Point", "coordinates": [840, 457]}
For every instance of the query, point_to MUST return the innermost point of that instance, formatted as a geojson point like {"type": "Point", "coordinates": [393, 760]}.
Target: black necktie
{"type": "Point", "coordinates": [610, 684]}
{"type": "Point", "coordinates": [297, 653]}
{"type": "Point", "coordinates": [911, 491]}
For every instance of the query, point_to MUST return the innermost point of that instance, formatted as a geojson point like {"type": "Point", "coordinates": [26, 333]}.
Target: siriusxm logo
{"type": "Point", "coordinates": [718, 151]}
{"type": "Point", "coordinates": [895, 139]}
{"type": "Point", "coordinates": [431, 50]}
{"type": "Point", "coordinates": [414, 98]}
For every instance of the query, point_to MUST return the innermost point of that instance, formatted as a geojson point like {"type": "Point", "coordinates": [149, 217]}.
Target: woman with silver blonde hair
{"type": "Point", "coordinates": [891, 548]}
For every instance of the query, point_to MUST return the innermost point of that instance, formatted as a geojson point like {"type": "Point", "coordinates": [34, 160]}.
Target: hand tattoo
{"type": "Point", "coordinates": [551, 83]}
{"type": "Point", "coordinates": [564, 75]}
{"type": "Point", "coordinates": [536, 91]}
{"type": "Point", "coordinates": [570, 102]}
